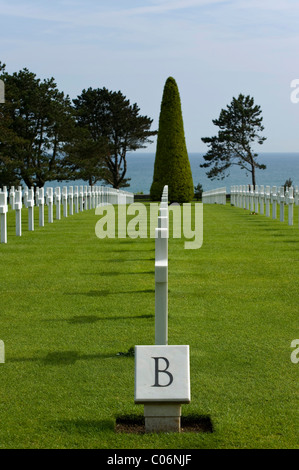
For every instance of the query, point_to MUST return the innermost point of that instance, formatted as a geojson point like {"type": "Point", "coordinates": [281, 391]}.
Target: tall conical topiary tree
{"type": "Point", "coordinates": [172, 166]}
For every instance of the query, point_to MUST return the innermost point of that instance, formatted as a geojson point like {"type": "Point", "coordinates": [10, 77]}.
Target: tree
{"type": "Point", "coordinates": [198, 190]}
{"type": "Point", "coordinates": [288, 183]}
{"type": "Point", "coordinates": [239, 128]}
{"type": "Point", "coordinates": [115, 127]}
{"type": "Point", "coordinates": [36, 123]}
{"type": "Point", "coordinates": [7, 167]}
{"type": "Point", "coordinates": [85, 158]}
{"type": "Point", "coordinates": [172, 166]}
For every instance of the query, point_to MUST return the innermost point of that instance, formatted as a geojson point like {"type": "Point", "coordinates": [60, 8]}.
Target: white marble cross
{"type": "Point", "coordinates": [49, 200]}
{"type": "Point", "coordinates": [3, 212]}
{"type": "Point", "coordinates": [81, 198]}
{"type": "Point", "coordinates": [290, 201]}
{"type": "Point", "coordinates": [76, 199]}
{"type": "Point", "coordinates": [256, 199]}
{"type": "Point", "coordinates": [12, 195]}
{"type": "Point", "coordinates": [162, 372]}
{"type": "Point", "coordinates": [29, 203]}
{"type": "Point", "coordinates": [41, 206]}
{"type": "Point", "coordinates": [262, 199]}
{"type": "Point", "coordinates": [268, 197]}
{"type": "Point", "coordinates": [281, 200]}
{"type": "Point", "coordinates": [18, 208]}
{"type": "Point", "coordinates": [64, 201]}
{"type": "Point", "coordinates": [57, 200]}
{"type": "Point", "coordinates": [274, 202]}
{"type": "Point", "coordinates": [161, 273]}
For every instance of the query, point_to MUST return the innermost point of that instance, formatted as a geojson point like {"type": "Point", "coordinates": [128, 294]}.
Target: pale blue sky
{"type": "Point", "coordinates": [214, 49]}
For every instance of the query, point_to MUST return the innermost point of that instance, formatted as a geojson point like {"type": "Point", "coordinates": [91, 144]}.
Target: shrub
{"type": "Point", "coordinates": [172, 166]}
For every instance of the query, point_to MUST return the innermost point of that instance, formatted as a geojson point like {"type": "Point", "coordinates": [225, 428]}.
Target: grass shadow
{"type": "Point", "coordinates": [82, 319]}
{"type": "Point", "coordinates": [84, 426]}
{"type": "Point", "coordinates": [126, 260]}
{"type": "Point", "coordinates": [103, 293]}
{"type": "Point", "coordinates": [132, 250]}
{"type": "Point", "coordinates": [62, 358]}
{"type": "Point", "coordinates": [118, 273]}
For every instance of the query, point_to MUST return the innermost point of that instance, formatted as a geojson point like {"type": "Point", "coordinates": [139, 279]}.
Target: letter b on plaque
{"type": "Point", "coordinates": [162, 374]}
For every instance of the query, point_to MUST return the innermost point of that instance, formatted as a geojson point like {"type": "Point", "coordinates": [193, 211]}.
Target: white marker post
{"type": "Point", "coordinates": [239, 196]}
{"type": "Point", "coordinates": [232, 195]}
{"type": "Point", "coordinates": [41, 206]}
{"type": "Point", "coordinates": [36, 197]}
{"type": "Point", "coordinates": [85, 198]}
{"type": "Point", "coordinates": [93, 197]}
{"type": "Point", "coordinates": [76, 199]}
{"type": "Point", "coordinates": [244, 196]}
{"type": "Point", "coordinates": [30, 205]}
{"type": "Point", "coordinates": [97, 195]}
{"type": "Point", "coordinates": [281, 199]}
{"type": "Point", "coordinates": [3, 212]}
{"type": "Point", "coordinates": [296, 196]}
{"type": "Point", "coordinates": [71, 200]}
{"type": "Point", "coordinates": [248, 197]}
{"type": "Point", "coordinates": [57, 200]}
{"type": "Point", "coordinates": [162, 384]}
{"type": "Point", "coordinates": [251, 197]}
{"type": "Point", "coordinates": [100, 198]}
{"type": "Point", "coordinates": [161, 286]}
{"type": "Point", "coordinates": [89, 197]}
{"type": "Point", "coordinates": [267, 196]}
{"type": "Point", "coordinates": [290, 202]}
{"type": "Point", "coordinates": [274, 202]}
{"type": "Point", "coordinates": [64, 201]}
{"type": "Point", "coordinates": [12, 195]}
{"type": "Point", "coordinates": [18, 208]}
{"type": "Point", "coordinates": [161, 273]}
{"type": "Point", "coordinates": [261, 197]}
{"type": "Point", "coordinates": [256, 199]}
{"type": "Point", "coordinates": [162, 375]}
{"type": "Point", "coordinates": [81, 199]}
{"type": "Point", "coordinates": [25, 196]}
{"type": "Point", "coordinates": [49, 200]}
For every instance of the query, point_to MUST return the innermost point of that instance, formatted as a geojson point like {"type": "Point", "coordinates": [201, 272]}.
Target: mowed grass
{"type": "Point", "coordinates": [71, 302]}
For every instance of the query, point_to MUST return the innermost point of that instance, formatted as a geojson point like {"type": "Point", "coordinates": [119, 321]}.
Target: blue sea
{"type": "Point", "coordinates": [140, 168]}
{"type": "Point", "coordinates": [280, 167]}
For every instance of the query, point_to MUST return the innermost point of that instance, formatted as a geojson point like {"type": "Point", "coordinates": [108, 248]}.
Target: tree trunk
{"type": "Point", "coordinates": [253, 175]}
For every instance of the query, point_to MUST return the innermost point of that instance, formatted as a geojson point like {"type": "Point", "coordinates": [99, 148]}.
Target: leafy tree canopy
{"type": "Point", "coordinates": [44, 136]}
{"type": "Point", "coordinates": [36, 123]}
{"type": "Point", "coordinates": [240, 125]}
{"type": "Point", "coordinates": [115, 127]}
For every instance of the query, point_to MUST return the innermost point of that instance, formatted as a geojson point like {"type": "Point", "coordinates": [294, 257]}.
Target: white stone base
{"type": "Point", "coordinates": [162, 417]}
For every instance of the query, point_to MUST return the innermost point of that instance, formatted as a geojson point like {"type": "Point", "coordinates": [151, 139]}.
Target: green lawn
{"type": "Point", "coordinates": [71, 302]}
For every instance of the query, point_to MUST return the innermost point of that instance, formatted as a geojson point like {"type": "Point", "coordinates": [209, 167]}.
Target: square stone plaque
{"type": "Point", "coordinates": [162, 374]}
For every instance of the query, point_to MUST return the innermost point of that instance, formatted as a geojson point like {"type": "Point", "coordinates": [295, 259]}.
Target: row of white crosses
{"type": "Point", "coordinates": [156, 413]}
{"type": "Point", "coordinates": [162, 372]}
{"type": "Point", "coordinates": [82, 197]}
{"type": "Point", "coordinates": [214, 196]}
{"type": "Point", "coordinates": [161, 272]}
{"type": "Point", "coordinates": [258, 199]}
